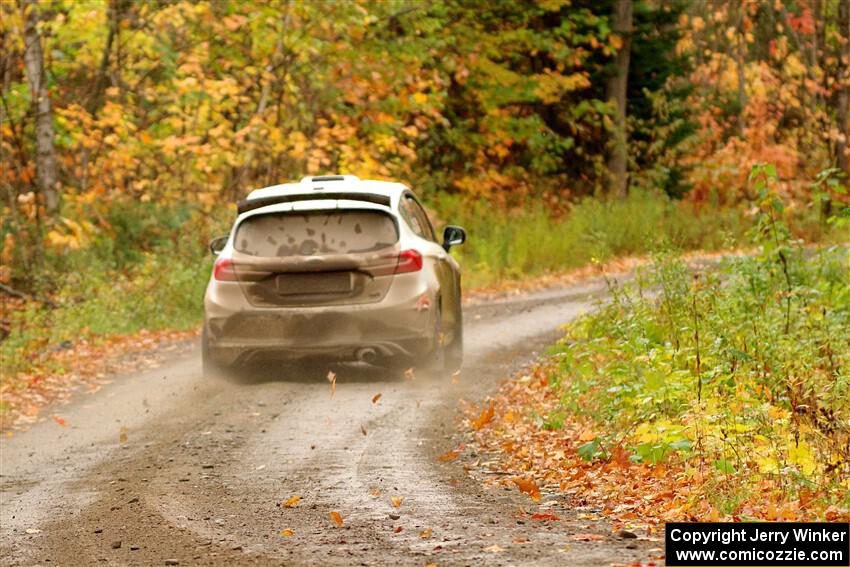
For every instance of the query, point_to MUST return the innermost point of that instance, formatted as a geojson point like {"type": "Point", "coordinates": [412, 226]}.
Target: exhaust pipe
{"type": "Point", "coordinates": [367, 355]}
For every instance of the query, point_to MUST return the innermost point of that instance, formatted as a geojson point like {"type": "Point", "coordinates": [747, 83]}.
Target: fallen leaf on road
{"type": "Point", "coordinates": [456, 377]}
{"type": "Point", "coordinates": [122, 435]}
{"type": "Point", "coordinates": [495, 548]}
{"type": "Point", "coordinates": [362, 429]}
{"type": "Point", "coordinates": [398, 530]}
{"type": "Point", "coordinates": [485, 417]}
{"type": "Point", "coordinates": [59, 421]}
{"type": "Point", "coordinates": [426, 533]}
{"type": "Point", "coordinates": [292, 502]}
{"type": "Point", "coordinates": [376, 492]}
{"type": "Point", "coordinates": [287, 533]}
{"type": "Point", "coordinates": [375, 398]}
{"type": "Point", "coordinates": [33, 531]}
{"type": "Point", "coordinates": [396, 501]}
{"type": "Point", "coordinates": [544, 517]}
{"type": "Point", "coordinates": [332, 380]}
{"type": "Point", "coordinates": [528, 486]}
{"type": "Point", "coordinates": [449, 456]}
{"type": "Point", "coordinates": [586, 537]}
{"type": "Point", "coordinates": [409, 374]}
{"type": "Point", "coordinates": [336, 518]}
{"type": "Point", "coordinates": [520, 541]}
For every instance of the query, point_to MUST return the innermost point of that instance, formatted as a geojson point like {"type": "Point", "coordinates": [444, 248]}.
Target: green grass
{"type": "Point", "coordinates": [509, 245]}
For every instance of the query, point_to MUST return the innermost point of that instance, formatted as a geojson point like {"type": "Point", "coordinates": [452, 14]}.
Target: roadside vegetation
{"type": "Point", "coordinates": [722, 392]}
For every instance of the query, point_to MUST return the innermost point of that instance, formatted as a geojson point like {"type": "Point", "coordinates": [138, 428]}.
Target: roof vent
{"type": "Point", "coordinates": [323, 178]}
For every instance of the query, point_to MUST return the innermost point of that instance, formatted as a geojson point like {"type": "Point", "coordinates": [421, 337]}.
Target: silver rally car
{"type": "Point", "coordinates": [334, 267]}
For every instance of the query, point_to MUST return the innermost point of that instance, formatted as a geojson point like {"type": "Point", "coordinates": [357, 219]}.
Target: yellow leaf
{"type": "Point", "coordinates": [337, 519]}
{"type": "Point", "coordinates": [292, 502]}
{"type": "Point", "coordinates": [396, 501]}
{"type": "Point", "coordinates": [426, 533]}
{"type": "Point", "coordinates": [287, 533]}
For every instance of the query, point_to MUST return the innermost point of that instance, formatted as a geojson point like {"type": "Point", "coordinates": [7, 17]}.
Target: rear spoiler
{"type": "Point", "coordinates": [246, 205]}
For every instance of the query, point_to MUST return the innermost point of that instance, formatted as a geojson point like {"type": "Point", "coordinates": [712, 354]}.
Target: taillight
{"type": "Point", "coordinates": [404, 262]}
{"type": "Point", "coordinates": [408, 261]}
{"type": "Point", "coordinates": [223, 270]}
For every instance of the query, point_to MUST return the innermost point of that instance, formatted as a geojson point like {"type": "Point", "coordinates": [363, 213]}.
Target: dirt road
{"type": "Point", "coordinates": [167, 467]}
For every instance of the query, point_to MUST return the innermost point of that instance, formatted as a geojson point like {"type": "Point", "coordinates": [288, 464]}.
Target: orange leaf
{"type": "Point", "coordinates": [409, 374]}
{"type": "Point", "coordinates": [544, 517]}
{"type": "Point", "coordinates": [485, 417]}
{"type": "Point", "coordinates": [398, 530]}
{"type": "Point", "coordinates": [426, 533]}
{"type": "Point", "coordinates": [449, 456]}
{"type": "Point", "coordinates": [292, 502]}
{"type": "Point", "coordinates": [287, 533]}
{"type": "Point", "coordinates": [59, 421]}
{"type": "Point", "coordinates": [375, 398]}
{"type": "Point", "coordinates": [336, 518]}
{"type": "Point", "coordinates": [587, 436]}
{"type": "Point", "coordinates": [396, 501]}
{"type": "Point", "coordinates": [529, 487]}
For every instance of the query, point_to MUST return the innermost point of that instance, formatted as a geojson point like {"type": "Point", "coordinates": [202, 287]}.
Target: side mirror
{"type": "Point", "coordinates": [452, 236]}
{"type": "Point", "coordinates": [217, 244]}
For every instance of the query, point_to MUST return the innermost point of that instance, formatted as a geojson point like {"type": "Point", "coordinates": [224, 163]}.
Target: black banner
{"type": "Point", "coordinates": [764, 544]}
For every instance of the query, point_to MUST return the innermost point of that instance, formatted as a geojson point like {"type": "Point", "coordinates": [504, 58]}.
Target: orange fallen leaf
{"type": "Point", "coordinates": [336, 518]}
{"type": "Point", "coordinates": [59, 421]}
{"type": "Point", "coordinates": [495, 548]}
{"type": "Point", "coordinates": [292, 502]}
{"type": "Point", "coordinates": [485, 417]}
{"type": "Point", "coordinates": [426, 533]}
{"type": "Point", "coordinates": [586, 537]}
{"type": "Point", "coordinates": [332, 380]}
{"type": "Point", "coordinates": [449, 456]}
{"type": "Point", "coordinates": [587, 436]}
{"type": "Point", "coordinates": [409, 374]}
{"type": "Point", "coordinates": [528, 486]}
{"type": "Point", "coordinates": [544, 517]}
{"type": "Point", "coordinates": [376, 492]}
{"type": "Point", "coordinates": [375, 398]}
{"type": "Point", "coordinates": [396, 500]}
{"type": "Point", "coordinates": [398, 530]}
{"type": "Point", "coordinates": [520, 541]}
{"type": "Point", "coordinates": [287, 533]}
{"type": "Point", "coordinates": [456, 377]}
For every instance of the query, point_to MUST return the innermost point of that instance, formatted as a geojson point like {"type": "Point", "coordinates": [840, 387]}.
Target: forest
{"type": "Point", "coordinates": [561, 133]}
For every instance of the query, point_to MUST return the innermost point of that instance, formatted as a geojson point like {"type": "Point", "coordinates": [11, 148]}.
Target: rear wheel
{"type": "Point", "coordinates": [211, 367]}
{"type": "Point", "coordinates": [445, 357]}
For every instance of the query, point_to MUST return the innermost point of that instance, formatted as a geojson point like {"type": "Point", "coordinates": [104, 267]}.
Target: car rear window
{"type": "Point", "coordinates": [315, 233]}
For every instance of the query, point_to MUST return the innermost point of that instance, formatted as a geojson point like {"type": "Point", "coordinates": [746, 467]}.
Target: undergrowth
{"type": "Point", "coordinates": [742, 372]}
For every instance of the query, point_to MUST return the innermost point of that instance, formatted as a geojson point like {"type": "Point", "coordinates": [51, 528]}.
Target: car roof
{"type": "Point", "coordinates": [333, 184]}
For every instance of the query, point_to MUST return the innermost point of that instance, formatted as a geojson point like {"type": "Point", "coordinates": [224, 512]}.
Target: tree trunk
{"type": "Point", "coordinates": [740, 61]}
{"type": "Point", "coordinates": [45, 161]}
{"type": "Point", "coordinates": [843, 94]}
{"type": "Point", "coordinates": [616, 92]}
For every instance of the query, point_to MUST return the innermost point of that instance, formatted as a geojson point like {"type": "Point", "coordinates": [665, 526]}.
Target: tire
{"type": "Point", "coordinates": [445, 358]}
{"type": "Point", "coordinates": [210, 366]}
{"type": "Point", "coordinates": [453, 356]}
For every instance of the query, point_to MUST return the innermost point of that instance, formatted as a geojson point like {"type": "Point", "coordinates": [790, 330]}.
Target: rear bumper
{"type": "Point", "coordinates": [401, 324]}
